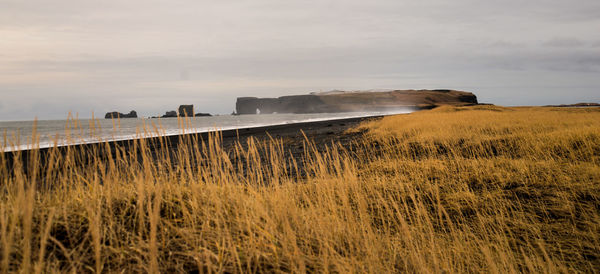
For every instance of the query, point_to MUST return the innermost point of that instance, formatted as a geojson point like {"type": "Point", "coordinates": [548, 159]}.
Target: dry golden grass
{"type": "Point", "coordinates": [449, 190]}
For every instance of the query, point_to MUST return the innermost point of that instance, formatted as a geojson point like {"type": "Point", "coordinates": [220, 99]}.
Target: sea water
{"type": "Point", "coordinates": [19, 135]}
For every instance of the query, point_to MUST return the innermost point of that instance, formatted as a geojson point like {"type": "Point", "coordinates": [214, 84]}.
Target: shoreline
{"type": "Point", "coordinates": [322, 133]}
{"type": "Point", "coordinates": [56, 135]}
{"type": "Point", "coordinates": [280, 129]}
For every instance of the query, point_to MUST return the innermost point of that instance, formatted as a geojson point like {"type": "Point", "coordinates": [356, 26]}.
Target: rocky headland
{"type": "Point", "coordinates": [345, 101]}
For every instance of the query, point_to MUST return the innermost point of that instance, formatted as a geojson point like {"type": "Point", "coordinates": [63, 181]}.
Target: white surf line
{"type": "Point", "coordinates": [175, 132]}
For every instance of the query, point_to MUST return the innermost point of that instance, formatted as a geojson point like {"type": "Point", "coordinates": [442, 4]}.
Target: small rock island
{"type": "Point", "coordinates": [118, 115]}
{"type": "Point", "coordinates": [186, 110]}
{"type": "Point", "coordinates": [183, 111]}
{"type": "Point", "coordinates": [170, 114]}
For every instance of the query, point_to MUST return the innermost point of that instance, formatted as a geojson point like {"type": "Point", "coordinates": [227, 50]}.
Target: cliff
{"type": "Point", "coordinates": [341, 101]}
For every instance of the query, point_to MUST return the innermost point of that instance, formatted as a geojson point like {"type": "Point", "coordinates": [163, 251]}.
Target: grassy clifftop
{"type": "Point", "coordinates": [456, 189]}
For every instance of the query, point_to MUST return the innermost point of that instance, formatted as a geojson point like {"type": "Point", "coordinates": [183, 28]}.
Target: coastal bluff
{"type": "Point", "coordinates": [353, 101]}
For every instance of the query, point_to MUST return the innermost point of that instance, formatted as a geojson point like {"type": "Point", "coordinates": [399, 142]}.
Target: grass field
{"type": "Point", "coordinates": [455, 189]}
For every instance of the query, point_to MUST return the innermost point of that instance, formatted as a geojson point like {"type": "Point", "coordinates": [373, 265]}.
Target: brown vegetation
{"type": "Point", "coordinates": [455, 189]}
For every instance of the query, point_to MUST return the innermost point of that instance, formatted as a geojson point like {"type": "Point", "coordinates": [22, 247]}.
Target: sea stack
{"type": "Point", "coordinates": [186, 110]}
{"type": "Point", "coordinates": [118, 115]}
{"type": "Point", "coordinates": [170, 114]}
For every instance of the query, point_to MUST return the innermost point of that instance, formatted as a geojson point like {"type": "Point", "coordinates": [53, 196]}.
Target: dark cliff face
{"type": "Point", "coordinates": [118, 115]}
{"type": "Point", "coordinates": [284, 104]}
{"type": "Point", "coordinates": [353, 101]}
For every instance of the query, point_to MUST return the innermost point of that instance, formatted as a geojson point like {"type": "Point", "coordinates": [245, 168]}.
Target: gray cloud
{"type": "Point", "coordinates": [564, 42]}
{"type": "Point", "coordinates": [155, 54]}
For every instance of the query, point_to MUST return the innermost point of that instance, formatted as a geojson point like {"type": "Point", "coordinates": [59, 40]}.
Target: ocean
{"type": "Point", "coordinates": [20, 135]}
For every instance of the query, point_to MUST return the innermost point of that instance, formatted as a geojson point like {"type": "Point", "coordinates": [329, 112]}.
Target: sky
{"type": "Point", "coordinates": [91, 57]}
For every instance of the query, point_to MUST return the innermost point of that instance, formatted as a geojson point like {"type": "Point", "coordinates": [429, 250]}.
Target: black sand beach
{"type": "Point", "coordinates": [293, 136]}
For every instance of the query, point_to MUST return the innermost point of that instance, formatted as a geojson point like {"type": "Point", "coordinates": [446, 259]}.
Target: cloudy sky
{"type": "Point", "coordinates": [58, 56]}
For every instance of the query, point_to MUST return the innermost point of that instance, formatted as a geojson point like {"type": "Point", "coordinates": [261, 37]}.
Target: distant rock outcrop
{"type": "Point", "coordinates": [170, 114]}
{"type": "Point", "coordinates": [342, 101]}
{"type": "Point", "coordinates": [117, 115]}
{"type": "Point", "coordinates": [183, 111]}
{"type": "Point", "coordinates": [576, 105]}
{"type": "Point", "coordinates": [186, 110]}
